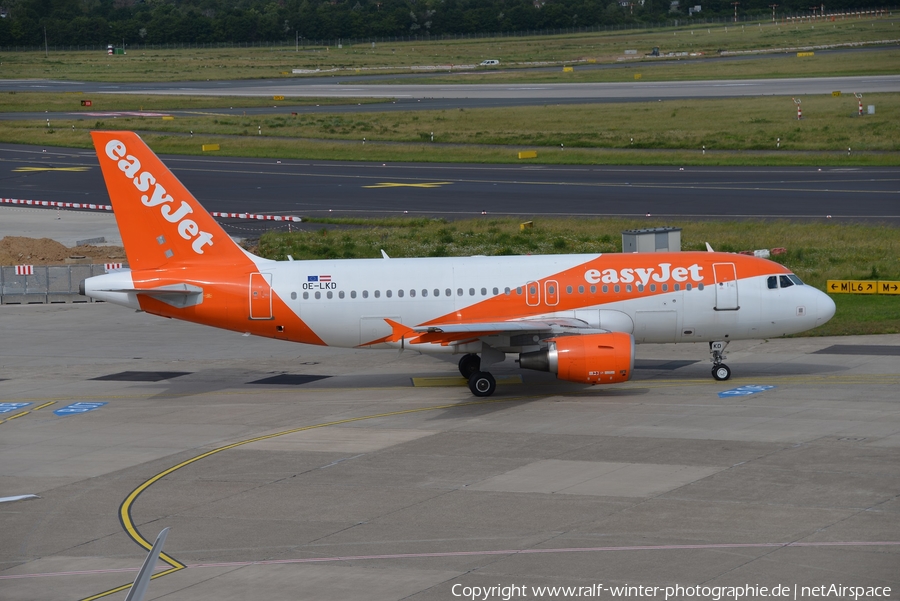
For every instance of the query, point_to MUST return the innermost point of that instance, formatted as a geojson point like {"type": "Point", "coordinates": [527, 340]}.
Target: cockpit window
{"type": "Point", "coordinates": [772, 282]}
{"type": "Point", "coordinates": [785, 281]}
{"type": "Point", "coordinates": [795, 279]}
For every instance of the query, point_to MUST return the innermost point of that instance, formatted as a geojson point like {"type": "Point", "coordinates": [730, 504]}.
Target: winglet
{"type": "Point", "coordinates": [399, 331]}
{"type": "Point", "coordinates": [139, 588]}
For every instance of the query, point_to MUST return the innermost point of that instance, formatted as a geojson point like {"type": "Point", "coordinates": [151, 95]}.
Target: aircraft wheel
{"type": "Point", "coordinates": [469, 364]}
{"type": "Point", "coordinates": [721, 372]}
{"type": "Point", "coordinates": [482, 384]}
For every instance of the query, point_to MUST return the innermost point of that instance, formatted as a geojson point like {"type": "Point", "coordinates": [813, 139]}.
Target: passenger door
{"type": "Point", "coordinates": [726, 287]}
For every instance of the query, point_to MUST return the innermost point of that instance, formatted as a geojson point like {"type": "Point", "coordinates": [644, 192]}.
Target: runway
{"type": "Point", "coordinates": [368, 87]}
{"type": "Point", "coordinates": [336, 188]}
{"type": "Point", "coordinates": [340, 480]}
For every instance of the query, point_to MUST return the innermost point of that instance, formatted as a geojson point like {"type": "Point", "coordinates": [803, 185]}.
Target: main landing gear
{"type": "Point", "coordinates": [720, 371]}
{"type": "Point", "coordinates": [481, 383]}
{"type": "Point", "coordinates": [469, 364]}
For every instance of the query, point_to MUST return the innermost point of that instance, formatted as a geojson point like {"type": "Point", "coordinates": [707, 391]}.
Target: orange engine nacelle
{"type": "Point", "coordinates": [590, 358]}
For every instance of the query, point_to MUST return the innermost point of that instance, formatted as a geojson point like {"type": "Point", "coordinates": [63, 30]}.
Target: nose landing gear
{"type": "Point", "coordinates": [720, 371]}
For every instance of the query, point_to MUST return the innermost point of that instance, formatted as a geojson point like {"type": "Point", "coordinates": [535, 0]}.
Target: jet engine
{"type": "Point", "coordinates": [589, 359]}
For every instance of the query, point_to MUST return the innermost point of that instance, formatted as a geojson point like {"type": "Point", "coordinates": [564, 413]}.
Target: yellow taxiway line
{"type": "Point", "coordinates": [24, 413]}
{"type": "Point", "coordinates": [125, 508]}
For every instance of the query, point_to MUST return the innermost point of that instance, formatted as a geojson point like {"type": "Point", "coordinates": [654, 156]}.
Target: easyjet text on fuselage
{"type": "Point", "coordinates": [662, 273]}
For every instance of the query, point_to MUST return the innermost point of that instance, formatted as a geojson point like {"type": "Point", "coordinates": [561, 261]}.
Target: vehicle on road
{"type": "Point", "coordinates": [577, 316]}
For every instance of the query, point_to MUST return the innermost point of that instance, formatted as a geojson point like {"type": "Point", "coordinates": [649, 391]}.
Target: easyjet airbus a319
{"type": "Point", "coordinates": [577, 316]}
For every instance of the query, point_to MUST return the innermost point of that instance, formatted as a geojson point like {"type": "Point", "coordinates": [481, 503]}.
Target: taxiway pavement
{"type": "Point", "coordinates": [368, 487]}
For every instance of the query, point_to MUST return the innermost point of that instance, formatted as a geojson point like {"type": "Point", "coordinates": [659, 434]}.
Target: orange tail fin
{"type": "Point", "coordinates": [161, 223]}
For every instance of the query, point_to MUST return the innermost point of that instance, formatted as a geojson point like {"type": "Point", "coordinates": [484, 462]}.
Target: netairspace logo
{"type": "Point", "coordinates": [712, 593]}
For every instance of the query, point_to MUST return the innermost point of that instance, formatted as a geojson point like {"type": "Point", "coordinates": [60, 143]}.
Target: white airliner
{"type": "Point", "coordinates": [577, 316]}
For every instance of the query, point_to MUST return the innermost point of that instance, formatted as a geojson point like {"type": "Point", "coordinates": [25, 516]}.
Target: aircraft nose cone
{"type": "Point", "coordinates": [824, 308]}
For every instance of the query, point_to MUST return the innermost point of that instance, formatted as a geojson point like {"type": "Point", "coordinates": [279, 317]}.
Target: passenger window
{"type": "Point", "coordinates": [700, 286]}
{"type": "Point", "coordinates": [640, 287]}
{"type": "Point", "coordinates": [293, 296]}
{"type": "Point", "coordinates": [652, 287]}
{"type": "Point", "coordinates": [568, 290]}
{"type": "Point", "coordinates": [378, 294]}
{"type": "Point", "coordinates": [532, 290]}
{"type": "Point", "coordinates": [687, 287]}
{"type": "Point", "coordinates": [785, 281]}
{"type": "Point", "coordinates": [388, 293]}
{"type": "Point", "coordinates": [365, 294]}
{"type": "Point", "coordinates": [551, 290]}
{"type": "Point", "coordinates": [471, 292]}
{"type": "Point", "coordinates": [425, 292]}
{"type": "Point", "coordinates": [484, 292]}
{"type": "Point", "coordinates": [447, 292]}
{"type": "Point", "coordinates": [507, 291]}
{"type": "Point", "coordinates": [399, 293]}
{"type": "Point", "coordinates": [605, 288]}
{"type": "Point", "coordinates": [677, 287]}
{"type": "Point", "coordinates": [329, 294]}
{"type": "Point", "coordinates": [593, 290]}
{"type": "Point", "coordinates": [772, 282]}
{"type": "Point", "coordinates": [353, 294]}
{"type": "Point", "coordinates": [665, 287]}
{"type": "Point", "coordinates": [318, 295]}
{"type": "Point", "coordinates": [306, 296]}
{"type": "Point", "coordinates": [459, 292]}
{"type": "Point", "coordinates": [412, 293]}
{"type": "Point", "coordinates": [496, 291]}
{"type": "Point", "coordinates": [628, 288]}
{"type": "Point", "coordinates": [616, 288]}
{"type": "Point", "coordinates": [341, 294]}
{"type": "Point", "coordinates": [519, 290]}
{"type": "Point", "coordinates": [581, 290]}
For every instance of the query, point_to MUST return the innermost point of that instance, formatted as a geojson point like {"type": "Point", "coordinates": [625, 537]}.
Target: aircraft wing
{"type": "Point", "coordinates": [458, 333]}
{"type": "Point", "coordinates": [522, 325]}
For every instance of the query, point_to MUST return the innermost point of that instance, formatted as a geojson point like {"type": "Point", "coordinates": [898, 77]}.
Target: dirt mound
{"type": "Point", "coordinates": [17, 250]}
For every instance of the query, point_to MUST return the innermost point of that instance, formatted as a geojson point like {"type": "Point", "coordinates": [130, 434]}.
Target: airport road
{"type": "Point", "coordinates": [411, 490]}
{"type": "Point", "coordinates": [455, 191]}
{"type": "Point", "coordinates": [586, 92]}
{"type": "Point", "coordinates": [415, 95]}
{"type": "Point", "coordinates": [367, 87]}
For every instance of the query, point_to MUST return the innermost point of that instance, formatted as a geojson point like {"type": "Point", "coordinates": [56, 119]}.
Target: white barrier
{"type": "Point", "coordinates": [81, 205]}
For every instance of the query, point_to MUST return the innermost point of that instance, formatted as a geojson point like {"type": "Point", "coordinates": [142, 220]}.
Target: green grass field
{"type": "Point", "coordinates": [739, 131]}
{"type": "Point", "coordinates": [274, 62]}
